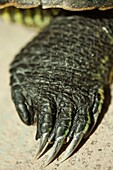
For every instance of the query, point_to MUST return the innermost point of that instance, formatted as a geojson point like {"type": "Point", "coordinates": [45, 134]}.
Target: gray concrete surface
{"type": "Point", "coordinates": [17, 144]}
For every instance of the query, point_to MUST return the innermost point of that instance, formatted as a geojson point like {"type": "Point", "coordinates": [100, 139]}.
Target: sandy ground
{"type": "Point", "coordinates": [17, 144]}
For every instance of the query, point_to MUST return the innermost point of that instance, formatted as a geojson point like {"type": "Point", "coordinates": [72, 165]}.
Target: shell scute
{"type": "Point", "coordinates": [73, 5]}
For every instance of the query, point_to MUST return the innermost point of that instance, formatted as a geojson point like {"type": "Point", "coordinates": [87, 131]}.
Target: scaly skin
{"type": "Point", "coordinates": [59, 78]}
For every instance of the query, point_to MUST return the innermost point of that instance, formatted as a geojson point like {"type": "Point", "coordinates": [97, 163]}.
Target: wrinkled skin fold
{"type": "Point", "coordinates": [60, 76]}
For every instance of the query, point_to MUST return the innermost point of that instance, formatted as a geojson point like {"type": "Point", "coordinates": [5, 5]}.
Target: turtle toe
{"type": "Point", "coordinates": [24, 108]}
{"type": "Point", "coordinates": [62, 125]}
{"type": "Point", "coordinates": [45, 121]}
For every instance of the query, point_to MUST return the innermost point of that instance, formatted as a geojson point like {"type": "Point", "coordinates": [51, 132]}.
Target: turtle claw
{"type": "Point", "coordinates": [72, 146]}
{"type": "Point", "coordinates": [55, 149]}
{"type": "Point", "coordinates": [42, 144]}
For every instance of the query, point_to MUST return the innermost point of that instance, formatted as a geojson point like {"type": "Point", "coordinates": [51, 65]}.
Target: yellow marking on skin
{"type": "Point", "coordinates": [5, 15]}
{"type": "Point", "coordinates": [38, 18]}
{"type": "Point", "coordinates": [101, 92]}
{"type": "Point", "coordinates": [88, 122]}
{"type": "Point", "coordinates": [102, 64]}
{"type": "Point", "coordinates": [110, 76]}
{"type": "Point", "coordinates": [41, 21]}
{"type": "Point", "coordinates": [103, 68]}
{"type": "Point", "coordinates": [55, 12]}
{"type": "Point", "coordinates": [96, 76]}
{"type": "Point", "coordinates": [28, 19]}
{"type": "Point", "coordinates": [105, 59]}
{"type": "Point", "coordinates": [18, 16]}
{"type": "Point", "coordinates": [108, 33]}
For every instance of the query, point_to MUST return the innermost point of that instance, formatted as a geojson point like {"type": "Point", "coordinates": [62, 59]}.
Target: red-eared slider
{"type": "Point", "coordinates": [59, 78]}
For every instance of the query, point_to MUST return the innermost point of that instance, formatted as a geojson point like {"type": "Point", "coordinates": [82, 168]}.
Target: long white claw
{"type": "Point", "coordinates": [55, 149]}
{"type": "Point", "coordinates": [72, 146]}
{"type": "Point", "coordinates": [42, 144]}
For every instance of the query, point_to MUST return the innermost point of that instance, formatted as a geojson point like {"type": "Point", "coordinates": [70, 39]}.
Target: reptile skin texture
{"type": "Point", "coordinates": [58, 79]}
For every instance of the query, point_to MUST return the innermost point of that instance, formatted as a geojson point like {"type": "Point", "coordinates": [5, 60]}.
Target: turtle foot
{"type": "Point", "coordinates": [58, 79]}
{"type": "Point", "coordinates": [62, 115]}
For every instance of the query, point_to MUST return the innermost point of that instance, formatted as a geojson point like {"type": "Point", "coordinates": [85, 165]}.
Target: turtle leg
{"type": "Point", "coordinates": [58, 79]}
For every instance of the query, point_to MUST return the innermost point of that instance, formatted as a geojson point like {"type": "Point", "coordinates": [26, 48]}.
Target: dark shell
{"type": "Point", "coordinates": [73, 5]}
